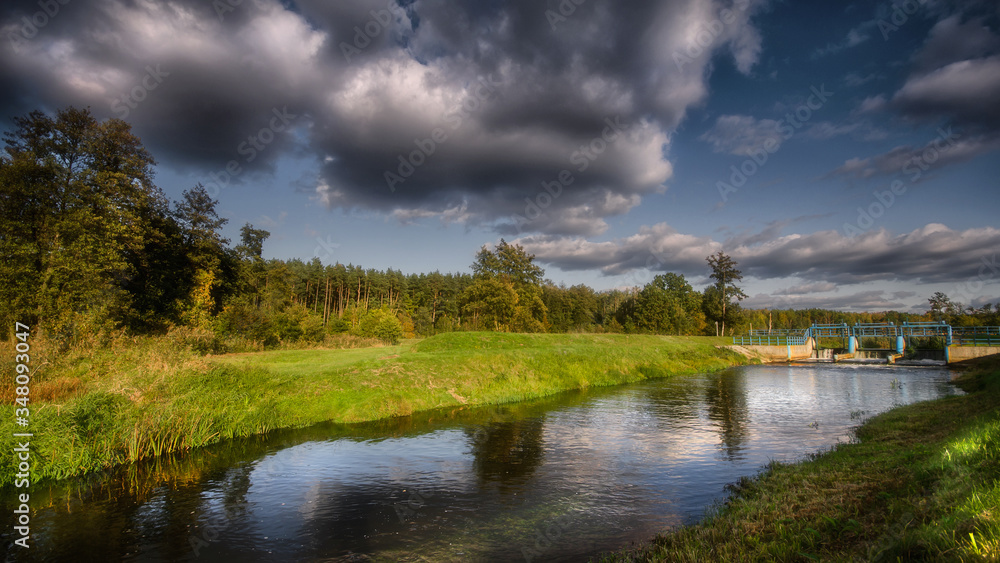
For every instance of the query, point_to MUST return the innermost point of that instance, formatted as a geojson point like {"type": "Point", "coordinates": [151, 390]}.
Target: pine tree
{"type": "Point", "coordinates": [726, 275]}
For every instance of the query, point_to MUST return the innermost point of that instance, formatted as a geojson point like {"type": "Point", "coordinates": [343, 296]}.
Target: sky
{"type": "Point", "coordinates": [844, 154]}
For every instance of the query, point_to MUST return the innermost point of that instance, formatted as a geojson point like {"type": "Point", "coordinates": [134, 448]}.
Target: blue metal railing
{"type": "Point", "coordinates": [976, 335]}
{"type": "Point", "coordinates": [874, 330]}
{"type": "Point", "coordinates": [828, 331]}
{"type": "Point", "coordinates": [770, 340]}
{"type": "Point", "coordinates": [962, 336]}
{"type": "Point", "coordinates": [778, 332]}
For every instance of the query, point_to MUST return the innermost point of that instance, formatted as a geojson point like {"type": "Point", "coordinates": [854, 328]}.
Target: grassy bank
{"type": "Point", "coordinates": [921, 482]}
{"type": "Point", "coordinates": [148, 397]}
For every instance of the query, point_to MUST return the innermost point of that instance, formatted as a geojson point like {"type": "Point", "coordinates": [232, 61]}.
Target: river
{"type": "Point", "coordinates": [559, 479]}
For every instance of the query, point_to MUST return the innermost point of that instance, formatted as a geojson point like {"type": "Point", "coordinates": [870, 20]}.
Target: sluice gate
{"type": "Point", "coordinates": [868, 340]}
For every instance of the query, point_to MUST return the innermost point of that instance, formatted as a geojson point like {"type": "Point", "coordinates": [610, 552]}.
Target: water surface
{"type": "Point", "coordinates": [554, 480]}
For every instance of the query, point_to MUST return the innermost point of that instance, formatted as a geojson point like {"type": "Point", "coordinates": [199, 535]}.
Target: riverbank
{"type": "Point", "coordinates": [149, 397]}
{"type": "Point", "coordinates": [921, 482]}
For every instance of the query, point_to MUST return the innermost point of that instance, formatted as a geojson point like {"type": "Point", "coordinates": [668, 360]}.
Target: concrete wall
{"type": "Point", "coordinates": [781, 353]}
{"type": "Point", "coordinates": [959, 353]}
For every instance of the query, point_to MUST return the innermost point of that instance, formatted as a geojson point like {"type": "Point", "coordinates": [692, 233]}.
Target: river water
{"type": "Point", "coordinates": [559, 479]}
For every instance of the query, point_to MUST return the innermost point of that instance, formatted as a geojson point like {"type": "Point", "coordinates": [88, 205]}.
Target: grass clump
{"type": "Point", "coordinates": [921, 482]}
{"type": "Point", "coordinates": [141, 398]}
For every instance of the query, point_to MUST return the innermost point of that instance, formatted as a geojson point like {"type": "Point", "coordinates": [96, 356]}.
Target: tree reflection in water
{"type": "Point", "coordinates": [727, 407]}
{"type": "Point", "coordinates": [507, 452]}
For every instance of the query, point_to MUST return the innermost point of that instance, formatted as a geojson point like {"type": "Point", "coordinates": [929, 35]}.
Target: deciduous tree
{"type": "Point", "coordinates": [77, 210]}
{"type": "Point", "coordinates": [513, 268]}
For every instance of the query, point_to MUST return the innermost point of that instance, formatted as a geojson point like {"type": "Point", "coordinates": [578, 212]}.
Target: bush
{"type": "Point", "coordinates": [337, 326]}
{"type": "Point", "coordinates": [287, 327]}
{"type": "Point", "coordinates": [444, 323]}
{"type": "Point", "coordinates": [312, 328]}
{"type": "Point", "coordinates": [381, 324]}
{"type": "Point", "coordinates": [246, 321]}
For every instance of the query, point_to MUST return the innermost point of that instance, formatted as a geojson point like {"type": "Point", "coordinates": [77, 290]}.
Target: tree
{"type": "Point", "coordinates": [210, 266]}
{"type": "Point", "coordinates": [509, 263]}
{"type": "Point", "coordinates": [726, 275]}
{"type": "Point", "coordinates": [940, 306]}
{"type": "Point", "coordinates": [79, 211]}
{"type": "Point", "coordinates": [201, 224]}
{"type": "Point", "coordinates": [490, 302]}
{"type": "Point", "coordinates": [511, 268]}
{"type": "Point", "coordinates": [669, 305]}
{"type": "Point", "coordinates": [250, 250]}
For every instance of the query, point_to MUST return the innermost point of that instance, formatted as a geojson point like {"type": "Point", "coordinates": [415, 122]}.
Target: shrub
{"type": "Point", "coordinates": [381, 324]}
{"type": "Point", "coordinates": [286, 327]}
{"type": "Point", "coordinates": [312, 328]}
{"type": "Point", "coordinates": [337, 326]}
{"type": "Point", "coordinates": [247, 321]}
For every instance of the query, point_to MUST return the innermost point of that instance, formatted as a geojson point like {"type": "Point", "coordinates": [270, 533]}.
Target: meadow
{"type": "Point", "coordinates": [139, 398]}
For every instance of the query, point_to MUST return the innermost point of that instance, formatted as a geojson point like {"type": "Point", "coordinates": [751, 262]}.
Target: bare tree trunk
{"type": "Point", "coordinates": [342, 294]}
{"type": "Point", "coordinates": [326, 301]}
{"type": "Point", "coordinates": [316, 300]}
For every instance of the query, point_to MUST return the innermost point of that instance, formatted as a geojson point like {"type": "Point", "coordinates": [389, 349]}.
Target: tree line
{"type": "Point", "coordinates": [92, 245]}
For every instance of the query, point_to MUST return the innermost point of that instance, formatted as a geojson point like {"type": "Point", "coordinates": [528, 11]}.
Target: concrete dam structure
{"type": "Point", "coordinates": [952, 344]}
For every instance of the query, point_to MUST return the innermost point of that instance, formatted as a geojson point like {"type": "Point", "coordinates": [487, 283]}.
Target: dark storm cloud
{"type": "Point", "coordinates": [931, 254]}
{"type": "Point", "coordinates": [515, 100]}
{"type": "Point", "coordinates": [486, 101]}
{"type": "Point", "coordinates": [199, 87]}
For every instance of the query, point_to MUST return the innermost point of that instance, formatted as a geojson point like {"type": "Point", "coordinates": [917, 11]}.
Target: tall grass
{"type": "Point", "coordinates": [136, 399]}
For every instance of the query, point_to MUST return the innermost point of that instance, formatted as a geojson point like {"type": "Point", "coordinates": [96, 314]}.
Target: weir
{"type": "Point", "coordinates": [865, 341]}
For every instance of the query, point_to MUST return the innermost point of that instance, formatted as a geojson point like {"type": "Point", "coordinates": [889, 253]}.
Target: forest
{"type": "Point", "coordinates": [92, 246]}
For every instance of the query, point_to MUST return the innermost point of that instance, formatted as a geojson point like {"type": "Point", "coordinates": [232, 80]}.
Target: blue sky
{"type": "Point", "coordinates": [845, 154]}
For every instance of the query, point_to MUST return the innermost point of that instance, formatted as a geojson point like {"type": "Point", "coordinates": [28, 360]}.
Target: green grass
{"type": "Point", "coordinates": [921, 482]}
{"type": "Point", "coordinates": [147, 397]}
